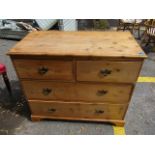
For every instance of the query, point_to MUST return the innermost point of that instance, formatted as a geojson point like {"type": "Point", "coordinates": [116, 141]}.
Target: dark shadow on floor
{"type": "Point", "coordinates": [17, 102]}
{"type": "Point", "coordinates": [13, 109]}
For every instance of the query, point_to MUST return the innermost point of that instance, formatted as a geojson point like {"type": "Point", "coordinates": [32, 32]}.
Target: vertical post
{"type": "Point", "coordinates": [7, 83]}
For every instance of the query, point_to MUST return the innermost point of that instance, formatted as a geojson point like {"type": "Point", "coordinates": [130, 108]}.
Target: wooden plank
{"type": "Point", "coordinates": [77, 110]}
{"type": "Point", "coordinates": [48, 90]}
{"type": "Point", "coordinates": [85, 44]}
{"type": "Point", "coordinates": [108, 71]}
{"type": "Point", "coordinates": [120, 123]}
{"type": "Point", "coordinates": [77, 58]}
{"type": "Point", "coordinates": [44, 69]}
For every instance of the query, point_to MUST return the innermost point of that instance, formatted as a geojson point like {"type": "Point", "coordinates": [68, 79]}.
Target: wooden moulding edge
{"type": "Point", "coordinates": [109, 121]}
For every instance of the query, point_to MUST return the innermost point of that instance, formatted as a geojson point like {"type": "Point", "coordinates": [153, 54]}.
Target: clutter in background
{"type": "Point", "coordinates": [68, 25]}
{"type": "Point", "coordinates": [10, 29]}
{"type": "Point", "coordinates": [17, 29]}
{"type": "Point", "coordinates": [46, 24]}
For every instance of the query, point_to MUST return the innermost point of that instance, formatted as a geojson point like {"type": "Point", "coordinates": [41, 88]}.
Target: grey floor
{"type": "Point", "coordinates": [15, 115]}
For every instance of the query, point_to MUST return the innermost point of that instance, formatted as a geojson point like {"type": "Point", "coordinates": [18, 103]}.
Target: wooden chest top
{"type": "Point", "coordinates": [84, 44]}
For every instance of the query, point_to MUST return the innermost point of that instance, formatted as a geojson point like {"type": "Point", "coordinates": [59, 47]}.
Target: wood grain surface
{"type": "Point", "coordinates": [48, 90]}
{"type": "Point", "coordinates": [77, 110]}
{"type": "Point", "coordinates": [108, 71]}
{"type": "Point", "coordinates": [44, 69]}
{"type": "Point", "coordinates": [86, 44]}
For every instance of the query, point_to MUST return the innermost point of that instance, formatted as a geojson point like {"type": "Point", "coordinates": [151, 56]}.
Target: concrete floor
{"type": "Point", "coordinates": [15, 115]}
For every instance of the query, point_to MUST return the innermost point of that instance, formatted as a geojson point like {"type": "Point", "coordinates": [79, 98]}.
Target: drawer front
{"type": "Point", "coordinates": [80, 110]}
{"type": "Point", "coordinates": [44, 69]}
{"type": "Point", "coordinates": [77, 91]}
{"type": "Point", "coordinates": [108, 71]}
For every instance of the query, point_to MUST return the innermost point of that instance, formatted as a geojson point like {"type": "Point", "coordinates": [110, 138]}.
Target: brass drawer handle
{"type": "Point", "coordinates": [46, 91]}
{"type": "Point", "coordinates": [101, 92]}
{"type": "Point", "coordinates": [99, 111]}
{"type": "Point", "coordinates": [42, 70]}
{"type": "Point", "coordinates": [51, 110]}
{"type": "Point", "coordinates": [105, 72]}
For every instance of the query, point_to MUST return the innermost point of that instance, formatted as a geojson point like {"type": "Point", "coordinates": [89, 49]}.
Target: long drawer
{"type": "Point", "coordinates": [44, 69]}
{"type": "Point", "coordinates": [48, 90]}
{"type": "Point", "coordinates": [78, 110]}
{"type": "Point", "coordinates": [108, 71]}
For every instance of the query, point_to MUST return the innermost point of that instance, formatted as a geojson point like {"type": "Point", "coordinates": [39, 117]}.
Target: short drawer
{"type": "Point", "coordinates": [44, 69]}
{"type": "Point", "coordinates": [48, 90]}
{"type": "Point", "coordinates": [108, 71]}
{"type": "Point", "coordinates": [77, 110]}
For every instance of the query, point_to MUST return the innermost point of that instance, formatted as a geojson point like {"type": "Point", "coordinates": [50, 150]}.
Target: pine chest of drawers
{"type": "Point", "coordinates": [78, 75]}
